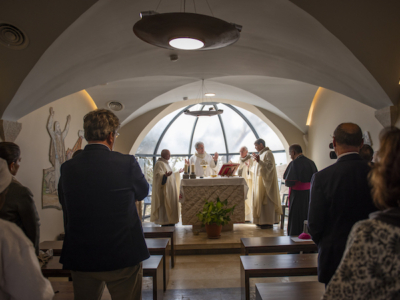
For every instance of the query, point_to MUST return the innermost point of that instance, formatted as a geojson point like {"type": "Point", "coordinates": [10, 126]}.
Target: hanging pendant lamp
{"type": "Point", "coordinates": [204, 113]}
{"type": "Point", "coordinates": [185, 31]}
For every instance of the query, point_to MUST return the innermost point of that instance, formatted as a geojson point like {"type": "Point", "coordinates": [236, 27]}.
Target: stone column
{"type": "Point", "coordinates": [387, 116]}
{"type": "Point", "coordinates": [9, 130]}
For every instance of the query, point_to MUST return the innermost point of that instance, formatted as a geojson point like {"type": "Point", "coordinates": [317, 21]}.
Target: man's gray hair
{"type": "Point", "coordinates": [198, 144]}
{"type": "Point", "coordinates": [244, 148]}
{"type": "Point", "coordinates": [260, 141]}
{"type": "Point", "coordinates": [98, 124]}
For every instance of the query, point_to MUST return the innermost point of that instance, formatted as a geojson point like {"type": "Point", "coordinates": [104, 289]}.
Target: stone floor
{"type": "Point", "coordinates": [187, 239]}
{"type": "Point", "coordinates": [203, 277]}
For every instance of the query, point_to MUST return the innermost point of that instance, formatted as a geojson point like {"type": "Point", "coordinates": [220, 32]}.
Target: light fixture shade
{"type": "Point", "coordinates": [160, 29]}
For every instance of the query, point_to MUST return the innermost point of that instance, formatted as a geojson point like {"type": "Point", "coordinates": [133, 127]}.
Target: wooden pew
{"type": "Point", "coordinates": [275, 244]}
{"type": "Point", "coordinates": [163, 232]}
{"type": "Point", "coordinates": [252, 266]}
{"type": "Point", "coordinates": [152, 267]}
{"type": "Point", "coordinates": [155, 246]}
{"type": "Point", "coordinates": [307, 290]}
{"type": "Point", "coordinates": [154, 232]}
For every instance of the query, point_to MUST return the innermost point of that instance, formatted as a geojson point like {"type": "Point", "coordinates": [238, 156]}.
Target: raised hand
{"type": "Point", "coordinates": [215, 157]}
{"type": "Point", "coordinates": [256, 157]}
{"type": "Point", "coordinates": [168, 173]}
{"type": "Point", "coordinates": [186, 162]}
{"type": "Point", "coordinates": [181, 170]}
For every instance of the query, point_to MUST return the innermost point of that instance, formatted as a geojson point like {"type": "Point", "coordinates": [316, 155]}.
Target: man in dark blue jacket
{"type": "Point", "coordinates": [104, 242]}
{"type": "Point", "coordinates": [340, 196]}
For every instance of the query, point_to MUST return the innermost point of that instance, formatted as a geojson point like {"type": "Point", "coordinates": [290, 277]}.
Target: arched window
{"type": "Point", "coordinates": [225, 134]}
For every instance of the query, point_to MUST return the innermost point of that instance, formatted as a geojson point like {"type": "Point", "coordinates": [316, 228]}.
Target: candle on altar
{"type": "Point", "coordinates": [192, 169]}
{"type": "Point", "coordinates": [186, 168]}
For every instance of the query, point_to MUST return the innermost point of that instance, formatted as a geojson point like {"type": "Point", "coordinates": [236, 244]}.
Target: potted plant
{"type": "Point", "coordinates": [214, 215]}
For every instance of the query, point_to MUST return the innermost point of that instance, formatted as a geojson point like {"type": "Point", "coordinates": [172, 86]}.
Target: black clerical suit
{"type": "Point", "coordinates": [103, 230]}
{"type": "Point", "coordinates": [340, 197]}
{"type": "Point", "coordinates": [297, 177]}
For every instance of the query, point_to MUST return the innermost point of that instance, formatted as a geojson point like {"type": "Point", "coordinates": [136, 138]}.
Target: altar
{"type": "Point", "coordinates": [194, 193]}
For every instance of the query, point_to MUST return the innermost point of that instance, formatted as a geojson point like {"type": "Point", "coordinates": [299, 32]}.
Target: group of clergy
{"type": "Point", "coordinates": [263, 203]}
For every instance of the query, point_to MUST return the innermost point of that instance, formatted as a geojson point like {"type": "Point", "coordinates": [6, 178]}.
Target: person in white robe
{"type": "Point", "coordinates": [201, 157]}
{"type": "Point", "coordinates": [245, 165]}
{"type": "Point", "coordinates": [165, 197]}
{"type": "Point", "coordinates": [267, 207]}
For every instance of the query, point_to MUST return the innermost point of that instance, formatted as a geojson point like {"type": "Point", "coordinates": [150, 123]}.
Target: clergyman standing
{"type": "Point", "coordinates": [297, 177]}
{"type": "Point", "coordinates": [340, 196]}
{"type": "Point", "coordinates": [165, 198]}
{"type": "Point", "coordinates": [267, 206]}
{"type": "Point", "coordinates": [104, 242]}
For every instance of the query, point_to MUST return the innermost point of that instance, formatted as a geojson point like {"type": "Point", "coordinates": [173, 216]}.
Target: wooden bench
{"type": "Point", "coordinates": [275, 244]}
{"type": "Point", "coordinates": [152, 267]}
{"type": "Point", "coordinates": [155, 246]}
{"type": "Point", "coordinates": [163, 232]}
{"type": "Point", "coordinates": [252, 266]}
{"type": "Point", "coordinates": [307, 290]}
{"type": "Point", "coordinates": [154, 232]}
{"type": "Point", "coordinates": [160, 247]}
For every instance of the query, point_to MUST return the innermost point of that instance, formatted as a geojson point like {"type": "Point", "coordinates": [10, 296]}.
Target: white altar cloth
{"type": "Point", "coordinates": [194, 192]}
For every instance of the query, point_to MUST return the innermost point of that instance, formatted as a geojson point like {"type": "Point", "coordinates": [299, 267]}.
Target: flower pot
{"type": "Point", "coordinates": [213, 231]}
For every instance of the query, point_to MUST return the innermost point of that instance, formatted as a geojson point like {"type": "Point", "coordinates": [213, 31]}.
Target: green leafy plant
{"type": "Point", "coordinates": [215, 213]}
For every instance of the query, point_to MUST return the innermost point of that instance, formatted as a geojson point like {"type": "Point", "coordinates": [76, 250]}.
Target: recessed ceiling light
{"type": "Point", "coordinates": [115, 105]}
{"type": "Point", "coordinates": [209, 94]}
{"type": "Point", "coordinates": [186, 43]}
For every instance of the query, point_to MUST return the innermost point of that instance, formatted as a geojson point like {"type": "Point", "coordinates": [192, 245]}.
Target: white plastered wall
{"type": "Point", "coordinates": [331, 109]}
{"type": "Point", "coordinates": [34, 142]}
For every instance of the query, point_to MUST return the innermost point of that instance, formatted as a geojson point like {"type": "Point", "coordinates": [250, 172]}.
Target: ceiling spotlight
{"type": "Point", "coordinates": [185, 31]}
{"type": "Point", "coordinates": [209, 94]}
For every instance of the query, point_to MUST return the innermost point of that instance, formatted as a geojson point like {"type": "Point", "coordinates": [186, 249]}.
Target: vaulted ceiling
{"type": "Point", "coordinates": [286, 51]}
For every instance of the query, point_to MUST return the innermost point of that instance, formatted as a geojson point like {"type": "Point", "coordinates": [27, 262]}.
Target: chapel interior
{"type": "Point", "coordinates": [298, 70]}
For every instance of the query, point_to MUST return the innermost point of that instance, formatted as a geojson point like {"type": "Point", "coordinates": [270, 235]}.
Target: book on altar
{"type": "Point", "coordinates": [228, 169]}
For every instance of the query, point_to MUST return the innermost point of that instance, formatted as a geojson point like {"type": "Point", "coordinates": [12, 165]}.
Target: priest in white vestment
{"type": "Point", "coordinates": [266, 199]}
{"type": "Point", "coordinates": [201, 157]}
{"type": "Point", "coordinates": [165, 197]}
{"type": "Point", "coordinates": [245, 170]}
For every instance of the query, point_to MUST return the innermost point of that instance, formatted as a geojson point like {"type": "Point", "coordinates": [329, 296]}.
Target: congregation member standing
{"type": "Point", "coordinates": [104, 242]}
{"type": "Point", "coordinates": [245, 171]}
{"type": "Point", "coordinates": [370, 267]}
{"type": "Point", "coordinates": [21, 277]}
{"type": "Point", "coordinates": [19, 206]}
{"type": "Point", "coordinates": [340, 196]}
{"type": "Point", "coordinates": [267, 206]}
{"type": "Point", "coordinates": [201, 157]}
{"type": "Point", "coordinates": [297, 177]}
{"type": "Point", "coordinates": [367, 153]}
{"type": "Point", "coordinates": [165, 197]}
